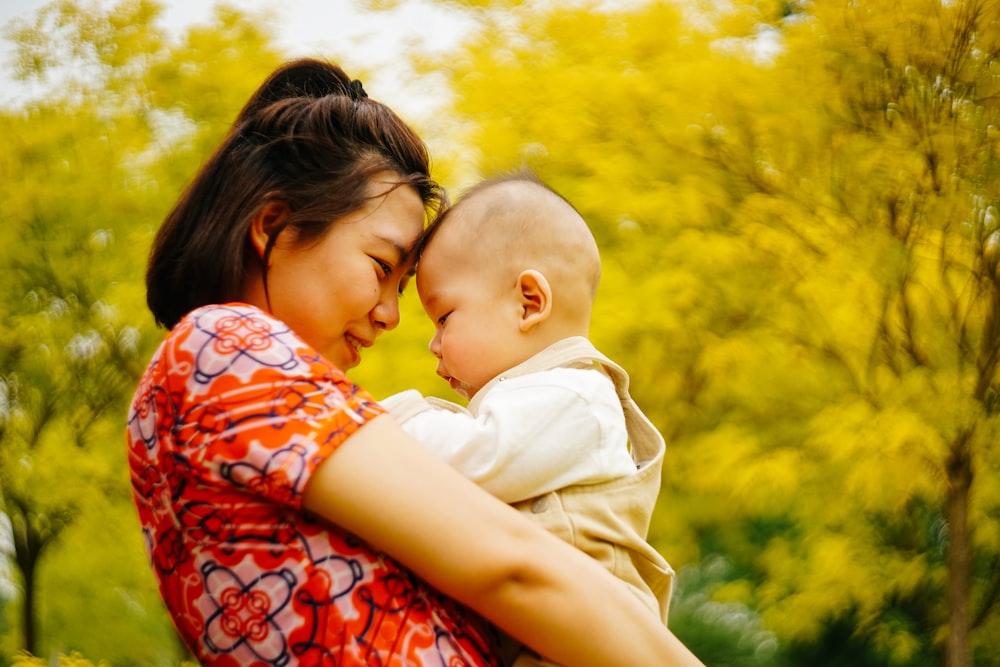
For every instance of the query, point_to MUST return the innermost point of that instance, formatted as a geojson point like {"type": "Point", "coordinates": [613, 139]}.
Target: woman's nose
{"type": "Point", "coordinates": [386, 312]}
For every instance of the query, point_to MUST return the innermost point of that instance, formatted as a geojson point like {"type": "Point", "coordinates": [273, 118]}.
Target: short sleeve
{"type": "Point", "coordinates": [255, 408]}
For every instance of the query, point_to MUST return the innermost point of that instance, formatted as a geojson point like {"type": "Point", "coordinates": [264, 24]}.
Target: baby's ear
{"type": "Point", "coordinates": [270, 216]}
{"type": "Point", "coordinates": [536, 298]}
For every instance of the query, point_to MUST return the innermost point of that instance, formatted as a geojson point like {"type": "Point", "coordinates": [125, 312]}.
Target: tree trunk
{"type": "Point", "coordinates": [27, 545]}
{"type": "Point", "coordinates": [30, 629]}
{"type": "Point", "coordinates": [960, 474]}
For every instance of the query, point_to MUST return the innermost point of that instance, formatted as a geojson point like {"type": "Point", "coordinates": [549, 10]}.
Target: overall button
{"type": "Point", "coordinates": [540, 505]}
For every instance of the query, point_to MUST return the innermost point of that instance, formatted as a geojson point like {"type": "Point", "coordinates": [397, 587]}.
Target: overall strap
{"type": "Point", "coordinates": [645, 440]}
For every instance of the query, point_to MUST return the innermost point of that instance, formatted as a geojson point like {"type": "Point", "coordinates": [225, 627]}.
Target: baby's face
{"type": "Point", "coordinates": [476, 315]}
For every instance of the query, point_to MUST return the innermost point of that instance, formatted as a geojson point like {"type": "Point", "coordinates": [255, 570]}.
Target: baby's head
{"type": "Point", "coordinates": [506, 272]}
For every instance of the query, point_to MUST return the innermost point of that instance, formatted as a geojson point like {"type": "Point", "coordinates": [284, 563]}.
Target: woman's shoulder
{"type": "Point", "coordinates": [233, 322]}
{"type": "Point", "coordinates": [231, 313]}
{"type": "Point", "coordinates": [239, 341]}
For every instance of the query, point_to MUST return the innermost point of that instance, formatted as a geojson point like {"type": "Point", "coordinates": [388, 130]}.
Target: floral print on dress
{"type": "Point", "coordinates": [230, 420]}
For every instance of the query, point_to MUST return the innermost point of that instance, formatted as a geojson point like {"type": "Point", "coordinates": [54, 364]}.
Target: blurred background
{"type": "Point", "coordinates": [798, 206]}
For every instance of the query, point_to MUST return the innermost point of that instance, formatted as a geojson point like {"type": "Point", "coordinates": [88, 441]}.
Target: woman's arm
{"type": "Point", "coordinates": [382, 486]}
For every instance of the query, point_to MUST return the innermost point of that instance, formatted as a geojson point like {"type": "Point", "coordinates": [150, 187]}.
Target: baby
{"type": "Point", "coordinates": [508, 276]}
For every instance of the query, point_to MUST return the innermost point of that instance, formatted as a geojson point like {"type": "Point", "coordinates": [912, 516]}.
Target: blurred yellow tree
{"type": "Point", "coordinates": [799, 210]}
{"type": "Point", "coordinates": [87, 172]}
{"type": "Point", "coordinates": [798, 205]}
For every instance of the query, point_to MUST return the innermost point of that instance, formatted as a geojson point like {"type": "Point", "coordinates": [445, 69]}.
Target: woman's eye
{"type": "Point", "coordinates": [385, 267]}
{"type": "Point", "coordinates": [405, 281]}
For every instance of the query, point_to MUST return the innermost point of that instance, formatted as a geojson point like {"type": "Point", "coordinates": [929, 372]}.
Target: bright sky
{"type": "Point", "coordinates": [335, 29]}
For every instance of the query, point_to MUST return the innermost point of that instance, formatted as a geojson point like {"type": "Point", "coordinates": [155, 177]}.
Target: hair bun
{"type": "Point", "coordinates": [357, 90]}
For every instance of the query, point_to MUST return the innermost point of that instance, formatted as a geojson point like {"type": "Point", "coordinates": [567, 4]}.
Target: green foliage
{"type": "Point", "coordinates": [69, 357]}
{"type": "Point", "coordinates": [88, 172]}
{"type": "Point", "coordinates": [74, 659]}
{"type": "Point", "coordinates": [709, 611]}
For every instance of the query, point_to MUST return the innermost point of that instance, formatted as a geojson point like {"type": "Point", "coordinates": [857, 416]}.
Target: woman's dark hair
{"type": "Point", "coordinates": [310, 138]}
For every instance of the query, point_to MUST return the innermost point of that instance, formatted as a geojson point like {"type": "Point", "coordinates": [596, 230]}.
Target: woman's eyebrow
{"type": "Point", "coordinates": [402, 250]}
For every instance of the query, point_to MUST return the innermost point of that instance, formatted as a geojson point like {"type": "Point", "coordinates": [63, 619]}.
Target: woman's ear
{"type": "Point", "coordinates": [536, 298]}
{"type": "Point", "coordinates": [268, 218]}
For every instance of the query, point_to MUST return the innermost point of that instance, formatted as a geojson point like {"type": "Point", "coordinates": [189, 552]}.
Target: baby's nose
{"type": "Point", "coordinates": [435, 346]}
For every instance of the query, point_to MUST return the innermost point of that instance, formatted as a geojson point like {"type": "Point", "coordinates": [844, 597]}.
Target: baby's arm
{"type": "Point", "coordinates": [442, 427]}
{"type": "Point", "coordinates": [531, 434]}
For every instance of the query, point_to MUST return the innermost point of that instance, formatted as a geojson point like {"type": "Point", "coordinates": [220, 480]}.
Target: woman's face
{"type": "Point", "coordinates": [341, 291]}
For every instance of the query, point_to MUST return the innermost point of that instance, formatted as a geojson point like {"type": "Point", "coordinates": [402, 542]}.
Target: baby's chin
{"type": "Point", "coordinates": [463, 390]}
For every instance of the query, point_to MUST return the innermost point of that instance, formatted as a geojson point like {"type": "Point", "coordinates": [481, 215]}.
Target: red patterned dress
{"type": "Point", "coordinates": [231, 418]}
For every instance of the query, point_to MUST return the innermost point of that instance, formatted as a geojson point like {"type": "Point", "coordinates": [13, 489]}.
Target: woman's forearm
{"type": "Point", "coordinates": [560, 588]}
{"type": "Point", "coordinates": [384, 487]}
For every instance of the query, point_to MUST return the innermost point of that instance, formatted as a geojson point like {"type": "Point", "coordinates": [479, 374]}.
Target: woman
{"type": "Point", "coordinates": [288, 520]}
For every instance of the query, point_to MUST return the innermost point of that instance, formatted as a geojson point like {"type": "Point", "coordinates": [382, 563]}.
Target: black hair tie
{"type": "Point", "coordinates": [357, 90]}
